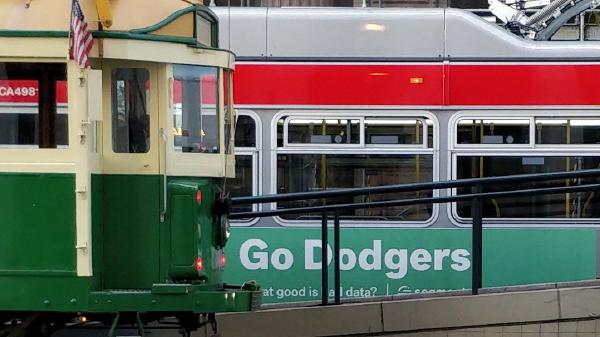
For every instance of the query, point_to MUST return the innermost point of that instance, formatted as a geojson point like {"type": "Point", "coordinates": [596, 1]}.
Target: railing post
{"type": "Point", "coordinates": [324, 256]}
{"type": "Point", "coordinates": [336, 255]}
{"type": "Point", "coordinates": [477, 239]}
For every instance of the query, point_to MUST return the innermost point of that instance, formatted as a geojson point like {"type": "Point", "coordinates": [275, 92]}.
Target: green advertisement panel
{"type": "Point", "coordinates": [380, 262]}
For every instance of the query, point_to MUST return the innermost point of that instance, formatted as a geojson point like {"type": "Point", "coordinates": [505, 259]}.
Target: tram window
{"type": "Point", "coordinates": [280, 124]}
{"type": "Point", "coordinates": [567, 205]}
{"type": "Point", "coordinates": [130, 115]}
{"type": "Point", "coordinates": [496, 131]}
{"type": "Point", "coordinates": [316, 172]}
{"type": "Point", "coordinates": [33, 105]}
{"type": "Point", "coordinates": [246, 163]}
{"type": "Point", "coordinates": [228, 110]}
{"type": "Point", "coordinates": [429, 124]}
{"type": "Point", "coordinates": [383, 131]}
{"type": "Point", "coordinates": [204, 33]}
{"type": "Point", "coordinates": [245, 132]}
{"type": "Point", "coordinates": [196, 117]}
{"type": "Point", "coordinates": [324, 131]}
{"type": "Point", "coordinates": [567, 131]}
{"type": "Point", "coordinates": [243, 183]}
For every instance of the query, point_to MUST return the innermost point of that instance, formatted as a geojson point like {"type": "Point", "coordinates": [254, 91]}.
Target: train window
{"type": "Point", "coordinates": [493, 131]}
{"type": "Point", "coordinates": [314, 172]}
{"type": "Point", "coordinates": [323, 131]}
{"type": "Point", "coordinates": [243, 183]}
{"type": "Point", "coordinates": [567, 205]}
{"type": "Point", "coordinates": [567, 131]}
{"type": "Point", "coordinates": [394, 131]}
{"type": "Point", "coordinates": [429, 124]}
{"type": "Point", "coordinates": [380, 150]}
{"type": "Point", "coordinates": [196, 116]}
{"type": "Point", "coordinates": [554, 138]}
{"type": "Point", "coordinates": [246, 163]}
{"type": "Point", "coordinates": [33, 105]}
{"type": "Point", "coordinates": [130, 115]}
{"type": "Point", "coordinates": [245, 132]}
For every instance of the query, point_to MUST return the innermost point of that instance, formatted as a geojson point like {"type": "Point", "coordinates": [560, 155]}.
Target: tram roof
{"type": "Point", "coordinates": [162, 18]}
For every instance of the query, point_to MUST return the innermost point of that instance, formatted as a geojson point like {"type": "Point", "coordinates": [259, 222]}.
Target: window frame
{"type": "Point", "coordinates": [187, 164]}
{"type": "Point", "coordinates": [532, 149]}
{"type": "Point", "coordinates": [256, 153]}
{"type": "Point", "coordinates": [362, 148]}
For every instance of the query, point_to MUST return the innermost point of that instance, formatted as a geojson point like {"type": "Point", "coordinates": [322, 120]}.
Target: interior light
{"type": "Point", "coordinates": [585, 122]}
{"type": "Point", "coordinates": [375, 27]}
{"type": "Point", "coordinates": [551, 121]}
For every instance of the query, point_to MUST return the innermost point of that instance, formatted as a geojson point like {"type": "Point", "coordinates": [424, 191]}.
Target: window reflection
{"type": "Point", "coordinates": [566, 205]}
{"type": "Point", "coordinates": [33, 105]}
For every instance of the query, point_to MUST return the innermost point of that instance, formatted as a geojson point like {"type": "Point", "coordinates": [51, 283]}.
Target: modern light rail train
{"type": "Point", "coordinates": [356, 97]}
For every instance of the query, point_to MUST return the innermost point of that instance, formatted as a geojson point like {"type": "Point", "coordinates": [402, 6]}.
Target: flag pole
{"type": "Point", "coordinates": [70, 32]}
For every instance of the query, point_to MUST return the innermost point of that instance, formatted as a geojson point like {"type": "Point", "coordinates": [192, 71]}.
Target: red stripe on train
{"type": "Point", "coordinates": [339, 84]}
{"type": "Point", "coordinates": [552, 84]}
{"type": "Point", "coordinates": [26, 91]}
{"type": "Point", "coordinates": [296, 84]}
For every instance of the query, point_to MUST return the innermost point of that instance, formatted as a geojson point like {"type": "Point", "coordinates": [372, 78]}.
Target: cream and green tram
{"type": "Point", "coordinates": [110, 175]}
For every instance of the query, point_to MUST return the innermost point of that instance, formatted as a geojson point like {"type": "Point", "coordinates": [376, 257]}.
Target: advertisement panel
{"type": "Point", "coordinates": [383, 262]}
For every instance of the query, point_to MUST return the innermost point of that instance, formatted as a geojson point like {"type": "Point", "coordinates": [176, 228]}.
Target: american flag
{"type": "Point", "coordinates": [81, 40]}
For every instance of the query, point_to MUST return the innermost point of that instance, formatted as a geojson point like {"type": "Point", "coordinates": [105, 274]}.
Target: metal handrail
{"type": "Point", "coordinates": [417, 201]}
{"type": "Point", "coordinates": [476, 197]}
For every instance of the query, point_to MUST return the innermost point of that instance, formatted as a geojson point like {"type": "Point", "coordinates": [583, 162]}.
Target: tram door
{"type": "Point", "coordinates": [131, 180]}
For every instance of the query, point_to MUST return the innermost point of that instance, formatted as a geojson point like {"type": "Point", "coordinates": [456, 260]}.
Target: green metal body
{"type": "Point", "coordinates": [140, 264]}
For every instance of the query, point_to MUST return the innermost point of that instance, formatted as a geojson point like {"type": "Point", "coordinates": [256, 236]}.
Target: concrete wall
{"type": "Point", "coordinates": [559, 312]}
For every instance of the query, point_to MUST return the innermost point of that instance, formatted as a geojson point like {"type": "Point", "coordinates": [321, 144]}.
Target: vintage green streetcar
{"type": "Point", "coordinates": [111, 175]}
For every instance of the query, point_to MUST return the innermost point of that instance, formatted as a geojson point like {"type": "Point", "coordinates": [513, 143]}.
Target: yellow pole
{"type": "Point", "coordinates": [418, 162]}
{"type": "Point", "coordinates": [568, 162]}
{"type": "Point", "coordinates": [481, 130]}
{"type": "Point", "coordinates": [104, 13]}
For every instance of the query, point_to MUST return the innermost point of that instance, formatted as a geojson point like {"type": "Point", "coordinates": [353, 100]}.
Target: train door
{"type": "Point", "coordinates": [131, 180]}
